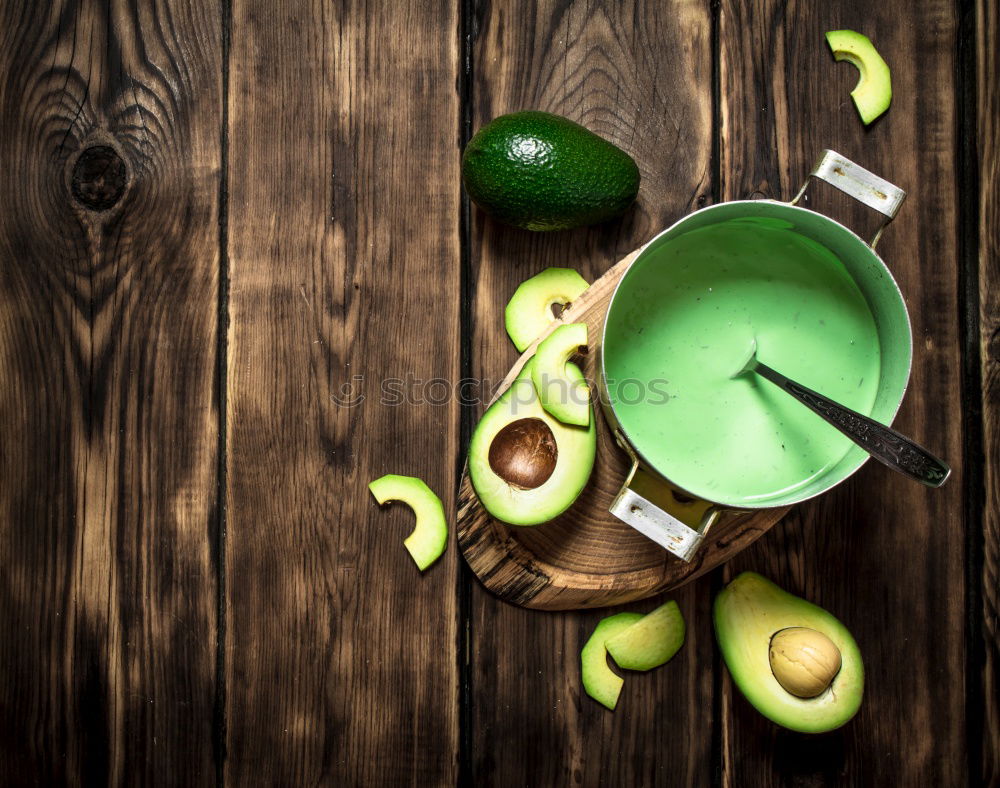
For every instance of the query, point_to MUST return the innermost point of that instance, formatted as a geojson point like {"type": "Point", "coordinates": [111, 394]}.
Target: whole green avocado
{"type": "Point", "coordinates": [544, 172]}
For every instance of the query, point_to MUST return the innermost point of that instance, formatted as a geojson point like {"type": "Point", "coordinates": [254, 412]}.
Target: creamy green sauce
{"type": "Point", "coordinates": [683, 323]}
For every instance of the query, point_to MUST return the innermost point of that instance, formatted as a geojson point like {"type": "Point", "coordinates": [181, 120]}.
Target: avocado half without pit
{"type": "Point", "coordinates": [873, 93]}
{"type": "Point", "coordinates": [532, 307]}
{"type": "Point", "coordinates": [795, 662]}
{"type": "Point", "coordinates": [526, 466]}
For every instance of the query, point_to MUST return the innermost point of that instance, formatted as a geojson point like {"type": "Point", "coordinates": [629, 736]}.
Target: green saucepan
{"type": "Point", "coordinates": [820, 306]}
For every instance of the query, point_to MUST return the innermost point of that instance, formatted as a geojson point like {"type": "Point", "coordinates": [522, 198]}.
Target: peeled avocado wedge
{"type": "Point", "coordinates": [563, 396]}
{"type": "Point", "coordinates": [599, 681]}
{"type": "Point", "coordinates": [529, 311]}
{"type": "Point", "coordinates": [873, 93]}
{"type": "Point", "coordinates": [526, 466]}
{"type": "Point", "coordinates": [794, 662]}
{"type": "Point", "coordinates": [429, 538]}
{"type": "Point", "coordinates": [650, 642]}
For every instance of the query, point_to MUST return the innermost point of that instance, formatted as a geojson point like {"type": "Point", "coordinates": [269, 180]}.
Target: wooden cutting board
{"type": "Point", "coordinates": [586, 557]}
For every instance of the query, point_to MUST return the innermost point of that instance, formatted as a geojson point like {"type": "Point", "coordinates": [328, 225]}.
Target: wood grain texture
{"type": "Point", "coordinates": [344, 195]}
{"type": "Point", "coordinates": [988, 137]}
{"type": "Point", "coordinates": [297, 166]}
{"type": "Point", "coordinates": [107, 409]}
{"type": "Point", "coordinates": [586, 557]}
{"type": "Point", "coordinates": [639, 74]}
{"type": "Point", "coordinates": [881, 553]}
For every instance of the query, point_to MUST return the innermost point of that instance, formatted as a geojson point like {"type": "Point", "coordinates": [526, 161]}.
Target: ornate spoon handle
{"type": "Point", "coordinates": [884, 444]}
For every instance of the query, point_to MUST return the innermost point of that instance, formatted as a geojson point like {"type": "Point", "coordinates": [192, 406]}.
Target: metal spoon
{"type": "Point", "coordinates": [884, 444]}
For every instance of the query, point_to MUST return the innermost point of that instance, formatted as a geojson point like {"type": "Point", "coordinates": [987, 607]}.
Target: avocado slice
{"type": "Point", "coordinates": [599, 680]}
{"type": "Point", "coordinates": [650, 642]}
{"type": "Point", "coordinates": [794, 662]}
{"type": "Point", "coordinates": [541, 171]}
{"type": "Point", "coordinates": [430, 536]}
{"type": "Point", "coordinates": [530, 310]}
{"type": "Point", "coordinates": [873, 93]}
{"type": "Point", "coordinates": [564, 397]}
{"type": "Point", "coordinates": [526, 466]}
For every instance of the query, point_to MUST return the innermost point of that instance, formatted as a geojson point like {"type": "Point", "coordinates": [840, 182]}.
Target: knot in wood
{"type": "Point", "coordinates": [99, 178]}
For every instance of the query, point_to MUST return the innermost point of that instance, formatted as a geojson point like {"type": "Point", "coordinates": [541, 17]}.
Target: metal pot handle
{"type": "Point", "coordinates": [854, 180]}
{"type": "Point", "coordinates": [651, 506]}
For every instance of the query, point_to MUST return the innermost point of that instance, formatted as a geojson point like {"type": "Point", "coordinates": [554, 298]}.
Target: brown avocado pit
{"type": "Point", "coordinates": [524, 453]}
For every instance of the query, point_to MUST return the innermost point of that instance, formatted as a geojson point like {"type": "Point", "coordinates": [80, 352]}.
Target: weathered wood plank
{"type": "Point", "coordinates": [988, 138]}
{"type": "Point", "coordinates": [880, 552]}
{"type": "Point", "coordinates": [108, 303]}
{"type": "Point", "coordinates": [639, 74]}
{"type": "Point", "coordinates": [344, 205]}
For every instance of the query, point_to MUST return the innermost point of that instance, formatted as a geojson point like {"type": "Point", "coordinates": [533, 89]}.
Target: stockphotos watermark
{"type": "Point", "coordinates": [438, 392]}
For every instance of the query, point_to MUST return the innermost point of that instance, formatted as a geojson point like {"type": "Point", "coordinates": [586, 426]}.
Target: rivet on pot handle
{"type": "Point", "coordinates": [857, 182]}
{"type": "Point", "coordinates": [649, 505]}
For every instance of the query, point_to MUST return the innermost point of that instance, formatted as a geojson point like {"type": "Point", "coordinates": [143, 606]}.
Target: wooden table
{"type": "Point", "coordinates": [196, 587]}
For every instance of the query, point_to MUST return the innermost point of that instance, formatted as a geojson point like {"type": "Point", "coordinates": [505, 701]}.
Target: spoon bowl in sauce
{"type": "Point", "coordinates": [883, 443]}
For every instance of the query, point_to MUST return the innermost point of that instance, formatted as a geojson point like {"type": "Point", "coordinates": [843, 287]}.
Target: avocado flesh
{"type": "Point", "coordinates": [650, 642]}
{"type": "Point", "coordinates": [429, 537]}
{"type": "Point", "coordinates": [576, 447]}
{"type": "Point", "coordinates": [747, 614]}
{"type": "Point", "coordinates": [562, 396]}
{"type": "Point", "coordinates": [529, 311]}
{"type": "Point", "coordinates": [873, 93]}
{"type": "Point", "coordinates": [541, 171]}
{"type": "Point", "coordinates": [599, 681]}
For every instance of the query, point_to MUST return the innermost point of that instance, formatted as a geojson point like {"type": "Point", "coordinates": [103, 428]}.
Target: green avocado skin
{"type": "Point", "coordinates": [544, 172]}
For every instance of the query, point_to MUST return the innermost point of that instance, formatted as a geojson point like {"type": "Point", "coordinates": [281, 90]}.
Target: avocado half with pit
{"type": "Point", "coordinates": [873, 93]}
{"type": "Point", "coordinates": [795, 662]}
{"type": "Point", "coordinates": [526, 466]}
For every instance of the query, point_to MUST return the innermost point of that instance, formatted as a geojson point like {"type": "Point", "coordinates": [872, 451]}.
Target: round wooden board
{"type": "Point", "coordinates": [586, 557]}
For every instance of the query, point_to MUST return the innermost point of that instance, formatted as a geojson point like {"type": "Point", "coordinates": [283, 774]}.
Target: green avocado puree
{"type": "Point", "coordinates": [684, 320]}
